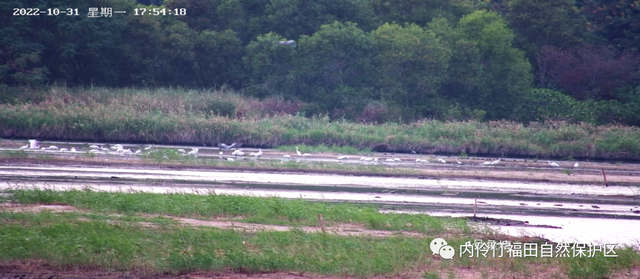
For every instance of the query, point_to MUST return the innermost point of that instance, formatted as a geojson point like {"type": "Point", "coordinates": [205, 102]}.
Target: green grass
{"type": "Point", "coordinates": [271, 210]}
{"type": "Point", "coordinates": [109, 234]}
{"type": "Point", "coordinates": [15, 153]}
{"type": "Point", "coordinates": [197, 117]}
{"type": "Point", "coordinates": [65, 241]}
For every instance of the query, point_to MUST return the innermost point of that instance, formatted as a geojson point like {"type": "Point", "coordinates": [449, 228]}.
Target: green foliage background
{"type": "Point", "coordinates": [365, 60]}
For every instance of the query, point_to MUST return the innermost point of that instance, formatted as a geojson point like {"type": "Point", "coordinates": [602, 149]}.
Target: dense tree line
{"type": "Point", "coordinates": [372, 60]}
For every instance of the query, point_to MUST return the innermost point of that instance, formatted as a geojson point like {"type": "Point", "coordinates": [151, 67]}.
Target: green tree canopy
{"type": "Point", "coordinates": [335, 70]}
{"type": "Point", "coordinates": [412, 63]}
{"type": "Point", "coordinates": [486, 71]}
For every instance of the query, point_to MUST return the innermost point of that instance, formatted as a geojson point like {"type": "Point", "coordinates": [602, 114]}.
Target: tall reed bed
{"type": "Point", "coordinates": [208, 117]}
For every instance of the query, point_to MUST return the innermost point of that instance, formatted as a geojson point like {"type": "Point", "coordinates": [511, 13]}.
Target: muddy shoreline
{"type": "Point", "coordinates": [623, 177]}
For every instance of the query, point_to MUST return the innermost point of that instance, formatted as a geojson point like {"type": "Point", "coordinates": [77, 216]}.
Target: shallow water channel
{"type": "Point", "coordinates": [558, 212]}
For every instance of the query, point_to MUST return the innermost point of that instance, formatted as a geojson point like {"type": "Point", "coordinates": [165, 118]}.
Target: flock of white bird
{"type": "Point", "coordinates": [119, 149]}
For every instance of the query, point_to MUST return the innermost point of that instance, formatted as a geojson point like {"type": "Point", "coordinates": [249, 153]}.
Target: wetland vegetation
{"type": "Point", "coordinates": [183, 116]}
{"type": "Point", "coordinates": [137, 231]}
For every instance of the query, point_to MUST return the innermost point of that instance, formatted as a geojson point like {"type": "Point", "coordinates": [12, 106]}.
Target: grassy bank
{"type": "Point", "coordinates": [134, 240]}
{"type": "Point", "coordinates": [204, 117]}
{"type": "Point", "coordinates": [251, 209]}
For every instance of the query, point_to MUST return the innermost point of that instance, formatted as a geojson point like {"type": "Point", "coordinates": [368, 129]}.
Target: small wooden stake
{"type": "Point", "coordinates": [475, 208]}
{"type": "Point", "coordinates": [605, 178]}
{"type": "Point", "coordinates": [321, 223]}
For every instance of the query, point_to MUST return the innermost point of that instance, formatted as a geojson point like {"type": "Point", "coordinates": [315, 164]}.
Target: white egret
{"type": "Point", "coordinates": [442, 161]}
{"type": "Point", "coordinates": [73, 149]}
{"type": "Point", "coordinates": [127, 152]}
{"type": "Point", "coordinates": [576, 165]}
{"type": "Point", "coordinates": [237, 152]}
{"type": "Point", "coordinates": [343, 157]}
{"type": "Point", "coordinates": [298, 151]}
{"type": "Point", "coordinates": [553, 164]}
{"type": "Point", "coordinates": [34, 144]}
{"type": "Point", "coordinates": [117, 147]}
{"type": "Point", "coordinates": [240, 154]}
{"type": "Point", "coordinates": [257, 154]}
{"type": "Point", "coordinates": [182, 150]}
{"type": "Point", "coordinates": [52, 147]}
{"type": "Point", "coordinates": [389, 160]}
{"type": "Point", "coordinates": [496, 162]}
{"type": "Point", "coordinates": [230, 159]}
{"type": "Point", "coordinates": [24, 147]}
{"type": "Point", "coordinates": [43, 149]}
{"type": "Point", "coordinates": [147, 147]}
{"type": "Point", "coordinates": [104, 149]}
{"type": "Point", "coordinates": [306, 155]}
{"type": "Point", "coordinates": [286, 156]}
{"type": "Point", "coordinates": [458, 161]}
{"type": "Point", "coordinates": [375, 159]}
{"type": "Point", "coordinates": [63, 149]}
{"type": "Point", "coordinates": [397, 159]}
{"type": "Point", "coordinates": [95, 151]}
{"type": "Point", "coordinates": [227, 147]}
{"type": "Point", "coordinates": [138, 152]}
{"type": "Point", "coordinates": [93, 146]}
{"type": "Point", "coordinates": [194, 151]}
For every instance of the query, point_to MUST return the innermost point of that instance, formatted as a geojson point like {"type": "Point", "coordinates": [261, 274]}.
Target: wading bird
{"type": "Point", "coordinates": [24, 147]}
{"type": "Point", "coordinates": [343, 157]}
{"type": "Point", "coordinates": [553, 164]}
{"type": "Point", "coordinates": [576, 165]}
{"type": "Point", "coordinates": [442, 161]}
{"type": "Point", "coordinates": [73, 149]}
{"type": "Point", "coordinates": [148, 147]}
{"type": "Point", "coordinates": [227, 147]}
{"type": "Point", "coordinates": [63, 149]}
{"type": "Point", "coordinates": [194, 151]}
{"type": "Point", "coordinates": [34, 144]}
{"type": "Point", "coordinates": [181, 150]}
{"type": "Point", "coordinates": [298, 151]}
{"type": "Point", "coordinates": [496, 162]}
{"type": "Point", "coordinates": [230, 159]}
{"type": "Point", "coordinates": [93, 146]}
{"type": "Point", "coordinates": [458, 161]}
{"type": "Point", "coordinates": [52, 147]}
{"type": "Point", "coordinates": [257, 154]}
